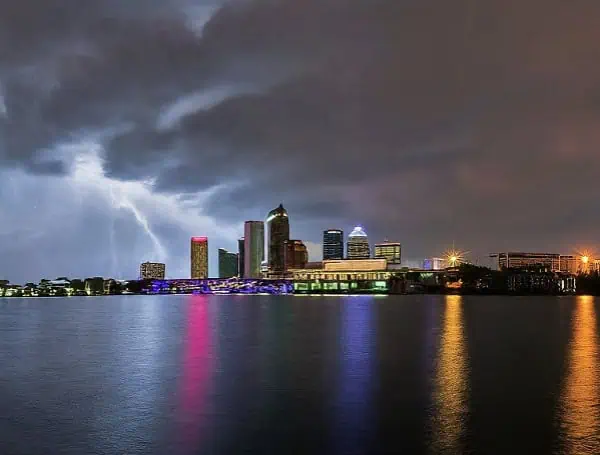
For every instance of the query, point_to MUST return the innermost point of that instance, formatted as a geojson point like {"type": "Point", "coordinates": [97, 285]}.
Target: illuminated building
{"type": "Point", "coordinates": [344, 276]}
{"type": "Point", "coordinates": [241, 257]}
{"type": "Point", "coordinates": [333, 244]}
{"type": "Point", "coordinates": [278, 228]}
{"type": "Point", "coordinates": [228, 264]}
{"type": "Point", "coordinates": [550, 261]}
{"type": "Point", "coordinates": [358, 244]}
{"type": "Point", "coordinates": [434, 264]}
{"type": "Point", "coordinates": [392, 252]}
{"type": "Point", "coordinates": [152, 271]}
{"type": "Point", "coordinates": [254, 248]}
{"type": "Point", "coordinates": [295, 254]}
{"type": "Point", "coordinates": [199, 258]}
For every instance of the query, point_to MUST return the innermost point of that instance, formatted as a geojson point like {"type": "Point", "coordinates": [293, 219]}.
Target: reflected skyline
{"type": "Point", "coordinates": [580, 413]}
{"type": "Point", "coordinates": [451, 382]}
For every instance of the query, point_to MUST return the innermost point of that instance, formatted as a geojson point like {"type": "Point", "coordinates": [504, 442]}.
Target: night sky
{"type": "Point", "coordinates": [128, 126]}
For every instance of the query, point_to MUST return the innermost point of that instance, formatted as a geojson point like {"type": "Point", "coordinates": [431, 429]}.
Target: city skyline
{"type": "Point", "coordinates": [436, 128]}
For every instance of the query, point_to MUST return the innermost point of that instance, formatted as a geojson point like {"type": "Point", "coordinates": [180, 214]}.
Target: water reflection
{"type": "Point", "coordinates": [580, 402]}
{"type": "Point", "coordinates": [451, 394]}
{"type": "Point", "coordinates": [356, 360]}
{"type": "Point", "coordinates": [197, 372]}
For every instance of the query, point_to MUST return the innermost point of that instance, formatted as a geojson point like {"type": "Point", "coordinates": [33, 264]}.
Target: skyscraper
{"type": "Point", "coordinates": [295, 254]}
{"type": "Point", "coordinates": [358, 244]}
{"type": "Point", "coordinates": [390, 251]}
{"type": "Point", "coordinates": [199, 258]}
{"type": "Point", "coordinates": [228, 264]}
{"type": "Point", "coordinates": [278, 226]}
{"type": "Point", "coordinates": [254, 248]}
{"type": "Point", "coordinates": [241, 257]}
{"type": "Point", "coordinates": [333, 244]}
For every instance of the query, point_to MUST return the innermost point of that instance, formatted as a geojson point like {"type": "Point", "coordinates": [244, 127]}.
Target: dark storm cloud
{"type": "Point", "coordinates": [429, 121]}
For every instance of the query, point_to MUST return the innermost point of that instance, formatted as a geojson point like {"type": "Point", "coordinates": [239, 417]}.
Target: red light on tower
{"type": "Point", "coordinates": [199, 239]}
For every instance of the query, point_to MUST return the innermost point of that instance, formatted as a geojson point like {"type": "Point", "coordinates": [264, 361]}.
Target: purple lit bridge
{"type": "Point", "coordinates": [220, 286]}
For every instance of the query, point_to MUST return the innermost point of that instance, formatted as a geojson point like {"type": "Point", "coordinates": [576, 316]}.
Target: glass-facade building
{"type": "Point", "coordinates": [228, 264]}
{"type": "Point", "coordinates": [390, 251]}
{"type": "Point", "coordinates": [278, 227]}
{"type": "Point", "coordinates": [333, 244]}
{"type": "Point", "coordinates": [254, 248]}
{"type": "Point", "coordinates": [199, 258]}
{"type": "Point", "coordinates": [358, 244]}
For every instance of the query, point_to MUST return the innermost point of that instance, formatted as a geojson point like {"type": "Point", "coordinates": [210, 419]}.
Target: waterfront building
{"type": "Point", "coordinates": [241, 257]}
{"type": "Point", "coordinates": [434, 264]}
{"type": "Point", "coordinates": [199, 258]}
{"type": "Point", "coordinates": [152, 271]}
{"type": "Point", "coordinates": [358, 244]}
{"type": "Point", "coordinates": [390, 251]}
{"type": "Point", "coordinates": [254, 248]}
{"type": "Point", "coordinates": [278, 228]}
{"type": "Point", "coordinates": [333, 244]}
{"type": "Point", "coordinates": [551, 261]}
{"type": "Point", "coordinates": [344, 276]}
{"type": "Point", "coordinates": [228, 264]}
{"type": "Point", "coordinates": [295, 254]}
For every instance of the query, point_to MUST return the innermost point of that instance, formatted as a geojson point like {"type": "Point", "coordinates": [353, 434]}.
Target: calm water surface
{"type": "Point", "coordinates": [185, 375]}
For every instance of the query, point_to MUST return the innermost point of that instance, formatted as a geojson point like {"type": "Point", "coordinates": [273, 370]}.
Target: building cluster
{"type": "Point", "coordinates": [267, 251]}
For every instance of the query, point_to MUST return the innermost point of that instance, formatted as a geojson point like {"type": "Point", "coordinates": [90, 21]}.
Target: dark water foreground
{"type": "Point", "coordinates": [299, 375]}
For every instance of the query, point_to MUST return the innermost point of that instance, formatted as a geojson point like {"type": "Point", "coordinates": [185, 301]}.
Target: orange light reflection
{"type": "Point", "coordinates": [580, 403]}
{"type": "Point", "coordinates": [451, 383]}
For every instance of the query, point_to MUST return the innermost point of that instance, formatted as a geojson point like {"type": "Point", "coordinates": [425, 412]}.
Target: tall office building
{"type": "Point", "coordinates": [358, 244]}
{"type": "Point", "coordinates": [241, 257]}
{"type": "Point", "coordinates": [295, 254]}
{"type": "Point", "coordinates": [152, 271]}
{"type": "Point", "coordinates": [199, 258]}
{"type": "Point", "coordinates": [254, 248]}
{"type": "Point", "coordinates": [333, 244]}
{"type": "Point", "coordinates": [228, 264]}
{"type": "Point", "coordinates": [278, 228]}
{"type": "Point", "coordinates": [390, 251]}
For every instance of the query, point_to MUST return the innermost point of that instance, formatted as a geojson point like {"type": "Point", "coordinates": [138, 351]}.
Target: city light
{"type": "Point", "coordinates": [454, 257]}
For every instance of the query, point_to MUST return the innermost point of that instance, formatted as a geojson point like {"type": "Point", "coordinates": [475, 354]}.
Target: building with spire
{"type": "Point", "coordinates": [358, 244]}
{"type": "Point", "coordinates": [278, 228]}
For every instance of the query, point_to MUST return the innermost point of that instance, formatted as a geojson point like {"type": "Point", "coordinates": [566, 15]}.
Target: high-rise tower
{"type": "Point", "coordinates": [254, 248]}
{"type": "Point", "coordinates": [333, 244]}
{"type": "Point", "coordinates": [199, 258]}
{"type": "Point", "coordinates": [358, 244]}
{"type": "Point", "coordinates": [278, 226]}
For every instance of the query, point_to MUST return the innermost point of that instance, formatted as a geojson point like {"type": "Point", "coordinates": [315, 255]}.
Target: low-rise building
{"type": "Point", "coordinates": [343, 276]}
{"type": "Point", "coordinates": [552, 262]}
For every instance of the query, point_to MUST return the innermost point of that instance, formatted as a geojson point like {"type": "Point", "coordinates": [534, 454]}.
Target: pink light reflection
{"type": "Point", "coordinates": [197, 372]}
